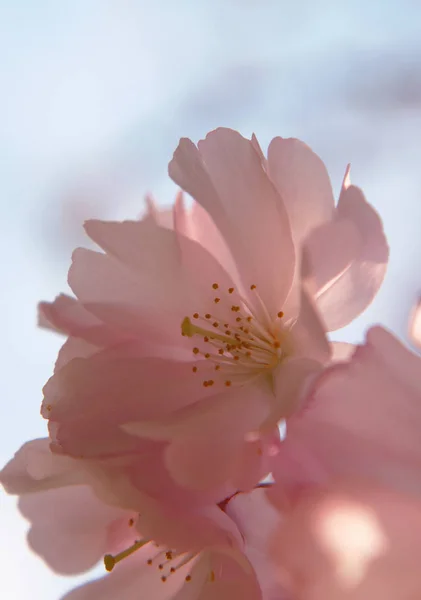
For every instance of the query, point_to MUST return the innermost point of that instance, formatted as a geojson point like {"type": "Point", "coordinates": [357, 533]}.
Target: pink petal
{"type": "Point", "coordinates": [67, 315]}
{"type": "Point", "coordinates": [342, 351]}
{"type": "Point", "coordinates": [74, 347]}
{"type": "Point", "coordinates": [356, 287]}
{"type": "Point", "coordinates": [362, 419]}
{"type": "Point", "coordinates": [351, 541]}
{"type": "Point", "coordinates": [187, 530]}
{"type": "Point", "coordinates": [308, 336]}
{"type": "Point", "coordinates": [329, 251]}
{"type": "Point", "coordinates": [162, 217]}
{"type": "Point", "coordinates": [234, 578]}
{"type": "Point", "coordinates": [291, 382]}
{"type": "Point", "coordinates": [415, 325]}
{"type": "Point", "coordinates": [257, 520]}
{"type": "Point", "coordinates": [226, 177]}
{"type": "Point", "coordinates": [69, 527]}
{"type": "Point", "coordinates": [35, 468]}
{"type": "Point", "coordinates": [205, 447]}
{"type": "Point", "coordinates": [197, 225]}
{"type": "Point", "coordinates": [303, 184]}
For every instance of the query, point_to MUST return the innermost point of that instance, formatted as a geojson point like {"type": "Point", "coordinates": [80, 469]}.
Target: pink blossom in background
{"type": "Point", "coordinates": [76, 521]}
{"type": "Point", "coordinates": [415, 325]}
{"type": "Point", "coordinates": [349, 540]}
{"type": "Point", "coordinates": [368, 411]}
{"type": "Point", "coordinates": [200, 335]}
{"type": "Point", "coordinates": [348, 481]}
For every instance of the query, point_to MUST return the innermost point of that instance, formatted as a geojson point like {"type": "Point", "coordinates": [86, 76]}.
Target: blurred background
{"type": "Point", "coordinates": [94, 97]}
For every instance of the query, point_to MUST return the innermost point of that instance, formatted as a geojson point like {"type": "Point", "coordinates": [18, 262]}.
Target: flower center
{"type": "Point", "coordinates": [241, 347]}
{"type": "Point", "coordinates": [167, 562]}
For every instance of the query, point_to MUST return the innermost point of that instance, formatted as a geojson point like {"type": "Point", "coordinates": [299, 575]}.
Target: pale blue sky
{"type": "Point", "coordinates": [96, 93]}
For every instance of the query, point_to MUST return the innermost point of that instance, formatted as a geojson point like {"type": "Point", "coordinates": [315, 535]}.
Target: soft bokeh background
{"type": "Point", "coordinates": [96, 93]}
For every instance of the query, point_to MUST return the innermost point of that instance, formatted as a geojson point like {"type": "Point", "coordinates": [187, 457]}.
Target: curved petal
{"type": "Point", "coordinates": [69, 527]}
{"type": "Point", "coordinates": [196, 224]}
{"type": "Point", "coordinates": [34, 468]}
{"type": "Point", "coordinates": [303, 185]}
{"type": "Point", "coordinates": [67, 315]}
{"type": "Point", "coordinates": [308, 335]}
{"type": "Point", "coordinates": [356, 287]}
{"type": "Point", "coordinates": [225, 175]}
{"type": "Point", "coordinates": [329, 251]}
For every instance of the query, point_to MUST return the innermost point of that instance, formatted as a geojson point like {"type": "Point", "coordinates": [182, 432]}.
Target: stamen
{"type": "Point", "coordinates": [281, 314]}
{"type": "Point", "coordinates": [215, 286]}
{"type": "Point", "coordinates": [110, 561]}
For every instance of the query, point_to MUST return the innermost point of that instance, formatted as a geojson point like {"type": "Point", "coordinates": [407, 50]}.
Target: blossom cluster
{"type": "Point", "coordinates": [207, 438]}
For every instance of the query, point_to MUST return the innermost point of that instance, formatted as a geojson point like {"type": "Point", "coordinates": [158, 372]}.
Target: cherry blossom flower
{"type": "Point", "coordinates": [157, 552]}
{"type": "Point", "coordinates": [201, 336]}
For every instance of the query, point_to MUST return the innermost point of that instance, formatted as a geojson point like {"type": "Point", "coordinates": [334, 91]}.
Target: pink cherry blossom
{"type": "Point", "coordinates": [350, 540]}
{"type": "Point", "coordinates": [152, 551]}
{"type": "Point", "coordinates": [362, 419]}
{"type": "Point", "coordinates": [201, 336]}
{"type": "Point", "coordinates": [348, 483]}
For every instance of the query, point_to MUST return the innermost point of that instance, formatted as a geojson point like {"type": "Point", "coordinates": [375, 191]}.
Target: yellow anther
{"type": "Point", "coordinates": [131, 522]}
{"type": "Point", "coordinates": [149, 561]}
{"type": "Point", "coordinates": [220, 351]}
{"type": "Point", "coordinates": [280, 314]}
{"type": "Point", "coordinates": [196, 315]}
{"type": "Point", "coordinates": [110, 561]}
{"type": "Point", "coordinates": [230, 290]}
{"type": "Point", "coordinates": [212, 576]}
{"type": "Point", "coordinates": [276, 344]}
{"type": "Point", "coordinates": [215, 286]}
{"type": "Point", "coordinates": [228, 383]}
{"type": "Point", "coordinates": [207, 316]}
{"type": "Point", "coordinates": [163, 578]}
{"type": "Point", "coordinates": [238, 319]}
{"type": "Point", "coordinates": [228, 332]}
{"type": "Point", "coordinates": [188, 578]}
{"type": "Point", "coordinates": [216, 300]}
{"type": "Point", "coordinates": [215, 324]}
{"type": "Point", "coordinates": [253, 287]}
{"type": "Point", "coordinates": [196, 350]}
{"type": "Point", "coordinates": [206, 339]}
{"type": "Point", "coordinates": [194, 369]}
{"type": "Point", "coordinates": [217, 367]}
{"type": "Point", "coordinates": [207, 355]}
